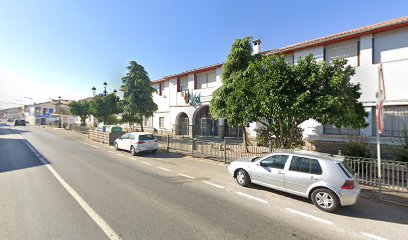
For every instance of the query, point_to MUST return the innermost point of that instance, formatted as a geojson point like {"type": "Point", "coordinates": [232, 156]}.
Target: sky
{"type": "Point", "coordinates": [63, 48]}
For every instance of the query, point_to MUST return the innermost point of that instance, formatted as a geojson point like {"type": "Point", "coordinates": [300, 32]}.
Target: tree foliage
{"type": "Point", "coordinates": [232, 100]}
{"type": "Point", "coordinates": [81, 109]}
{"type": "Point", "coordinates": [104, 108]}
{"type": "Point", "coordinates": [138, 94]}
{"type": "Point", "coordinates": [285, 95]}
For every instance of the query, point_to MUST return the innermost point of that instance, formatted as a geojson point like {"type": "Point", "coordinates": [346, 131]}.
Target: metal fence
{"type": "Point", "coordinates": [394, 173]}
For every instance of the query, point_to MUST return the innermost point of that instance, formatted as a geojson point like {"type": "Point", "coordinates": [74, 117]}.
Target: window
{"type": "Point", "coordinates": [44, 111]}
{"type": "Point", "coordinates": [347, 50]}
{"type": "Point", "coordinates": [395, 121]}
{"type": "Point", "coordinates": [147, 121]}
{"type": "Point", "coordinates": [390, 46]}
{"type": "Point", "coordinates": [206, 80]}
{"type": "Point", "coordinates": [131, 136]}
{"type": "Point", "coordinates": [332, 130]}
{"type": "Point", "coordinates": [275, 161]}
{"type": "Point", "coordinates": [161, 122]}
{"type": "Point", "coordinates": [126, 136]}
{"type": "Point", "coordinates": [146, 137]}
{"type": "Point", "coordinates": [305, 165]}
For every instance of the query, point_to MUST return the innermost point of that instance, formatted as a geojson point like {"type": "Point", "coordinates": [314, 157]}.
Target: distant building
{"type": "Point", "coordinates": [183, 99]}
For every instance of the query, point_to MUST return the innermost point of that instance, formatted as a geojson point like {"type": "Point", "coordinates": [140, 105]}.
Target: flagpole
{"type": "Point", "coordinates": [379, 95]}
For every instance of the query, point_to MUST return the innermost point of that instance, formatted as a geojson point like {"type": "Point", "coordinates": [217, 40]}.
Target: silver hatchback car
{"type": "Point", "coordinates": [325, 179]}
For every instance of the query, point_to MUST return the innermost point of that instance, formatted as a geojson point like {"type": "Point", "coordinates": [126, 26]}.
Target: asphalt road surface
{"type": "Point", "coordinates": [55, 184]}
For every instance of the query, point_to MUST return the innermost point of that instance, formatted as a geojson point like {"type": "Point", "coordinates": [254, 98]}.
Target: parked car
{"type": "Point", "coordinates": [137, 142]}
{"type": "Point", "coordinates": [19, 122]}
{"type": "Point", "coordinates": [325, 179]}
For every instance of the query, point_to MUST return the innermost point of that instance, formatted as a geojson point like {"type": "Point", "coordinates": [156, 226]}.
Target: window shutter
{"type": "Point", "coordinates": [160, 88]}
{"type": "Point", "coordinates": [178, 85]}
{"type": "Point", "coordinates": [195, 81]}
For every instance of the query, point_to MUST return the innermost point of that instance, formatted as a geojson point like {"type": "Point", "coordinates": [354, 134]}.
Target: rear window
{"type": "Point", "coordinates": [146, 137]}
{"type": "Point", "coordinates": [346, 169]}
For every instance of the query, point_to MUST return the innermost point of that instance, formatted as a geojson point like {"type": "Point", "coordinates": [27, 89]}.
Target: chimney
{"type": "Point", "coordinates": [257, 46]}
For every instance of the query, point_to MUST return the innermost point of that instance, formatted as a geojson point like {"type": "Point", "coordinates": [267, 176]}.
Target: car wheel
{"type": "Point", "coordinates": [325, 200]}
{"type": "Point", "coordinates": [243, 178]}
{"type": "Point", "coordinates": [132, 151]}
{"type": "Point", "coordinates": [154, 151]}
{"type": "Point", "coordinates": [115, 145]}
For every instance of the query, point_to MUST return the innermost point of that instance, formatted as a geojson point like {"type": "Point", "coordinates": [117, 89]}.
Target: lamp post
{"type": "Point", "coordinates": [103, 94]}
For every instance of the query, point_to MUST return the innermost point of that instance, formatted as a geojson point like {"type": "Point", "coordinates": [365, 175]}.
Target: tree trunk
{"type": "Point", "coordinates": [141, 122]}
{"type": "Point", "coordinates": [280, 133]}
{"type": "Point", "coordinates": [245, 139]}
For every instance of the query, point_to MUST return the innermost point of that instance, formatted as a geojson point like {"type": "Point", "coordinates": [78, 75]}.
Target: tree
{"type": "Point", "coordinates": [231, 101]}
{"type": "Point", "coordinates": [286, 95]}
{"type": "Point", "coordinates": [81, 109]}
{"type": "Point", "coordinates": [104, 108]}
{"type": "Point", "coordinates": [137, 94]}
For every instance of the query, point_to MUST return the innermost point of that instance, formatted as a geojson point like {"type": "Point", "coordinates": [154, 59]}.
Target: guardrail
{"type": "Point", "coordinates": [394, 173]}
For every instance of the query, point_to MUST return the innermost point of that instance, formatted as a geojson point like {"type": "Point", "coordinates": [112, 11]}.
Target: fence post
{"type": "Point", "coordinates": [192, 147]}
{"type": "Point", "coordinates": [225, 152]}
{"type": "Point", "coordinates": [168, 143]}
{"type": "Point", "coordinates": [270, 146]}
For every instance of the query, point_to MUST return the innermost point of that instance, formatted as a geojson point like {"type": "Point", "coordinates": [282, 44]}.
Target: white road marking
{"type": "Point", "coordinates": [88, 209]}
{"type": "Point", "coordinates": [184, 175]}
{"type": "Point", "coordinates": [147, 163]}
{"type": "Point", "coordinates": [213, 184]}
{"type": "Point", "coordinates": [111, 151]}
{"type": "Point", "coordinates": [87, 144]}
{"type": "Point", "coordinates": [119, 154]}
{"type": "Point", "coordinates": [372, 236]}
{"type": "Point", "coordinates": [164, 169]}
{"type": "Point", "coordinates": [251, 197]}
{"type": "Point", "coordinates": [309, 216]}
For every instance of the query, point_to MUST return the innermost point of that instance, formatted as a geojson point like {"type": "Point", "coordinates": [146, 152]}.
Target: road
{"type": "Point", "coordinates": [55, 184]}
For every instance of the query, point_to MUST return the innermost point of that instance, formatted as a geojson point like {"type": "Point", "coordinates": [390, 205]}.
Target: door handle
{"type": "Point", "coordinates": [313, 178]}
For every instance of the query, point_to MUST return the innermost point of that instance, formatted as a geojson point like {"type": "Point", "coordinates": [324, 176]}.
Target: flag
{"type": "Point", "coordinates": [380, 100]}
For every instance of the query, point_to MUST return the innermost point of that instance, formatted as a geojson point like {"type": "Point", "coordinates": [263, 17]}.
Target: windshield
{"type": "Point", "coordinates": [146, 137]}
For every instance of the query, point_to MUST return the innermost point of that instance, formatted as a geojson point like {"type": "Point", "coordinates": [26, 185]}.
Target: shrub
{"type": "Point", "coordinates": [357, 146]}
{"type": "Point", "coordinates": [401, 154]}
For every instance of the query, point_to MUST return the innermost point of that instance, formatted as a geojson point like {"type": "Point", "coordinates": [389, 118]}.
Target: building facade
{"type": "Point", "coordinates": [183, 99]}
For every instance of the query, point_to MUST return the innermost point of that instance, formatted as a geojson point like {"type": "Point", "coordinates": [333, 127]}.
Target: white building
{"type": "Point", "coordinates": [364, 48]}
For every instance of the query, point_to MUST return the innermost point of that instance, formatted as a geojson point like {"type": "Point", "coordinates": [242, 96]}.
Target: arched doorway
{"type": "Point", "coordinates": [204, 123]}
{"type": "Point", "coordinates": [182, 124]}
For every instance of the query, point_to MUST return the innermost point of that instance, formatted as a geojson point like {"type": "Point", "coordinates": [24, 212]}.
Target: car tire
{"type": "Point", "coordinates": [242, 178]}
{"type": "Point", "coordinates": [115, 145]}
{"type": "Point", "coordinates": [325, 200]}
{"type": "Point", "coordinates": [133, 151]}
{"type": "Point", "coordinates": [154, 151]}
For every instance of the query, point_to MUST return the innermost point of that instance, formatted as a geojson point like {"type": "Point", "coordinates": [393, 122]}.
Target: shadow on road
{"type": "Point", "coordinates": [369, 209]}
{"type": "Point", "coordinates": [16, 155]}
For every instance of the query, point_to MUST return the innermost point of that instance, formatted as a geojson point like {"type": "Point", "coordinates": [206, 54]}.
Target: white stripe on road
{"type": "Point", "coordinates": [213, 184]}
{"type": "Point", "coordinates": [119, 154]}
{"type": "Point", "coordinates": [164, 169]}
{"type": "Point", "coordinates": [87, 144]}
{"type": "Point", "coordinates": [184, 175]}
{"type": "Point", "coordinates": [309, 216]}
{"type": "Point", "coordinates": [251, 197]}
{"type": "Point", "coordinates": [147, 163]}
{"type": "Point", "coordinates": [372, 236]}
{"type": "Point", "coordinates": [111, 151]}
{"type": "Point", "coordinates": [88, 209]}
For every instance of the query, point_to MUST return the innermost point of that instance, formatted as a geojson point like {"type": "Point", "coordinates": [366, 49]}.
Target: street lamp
{"type": "Point", "coordinates": [94, 90]}
{"type": "Point", "coordinates": [105, 85]}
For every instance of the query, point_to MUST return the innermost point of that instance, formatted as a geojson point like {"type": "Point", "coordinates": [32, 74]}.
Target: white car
{"type": "Point", "coordinates": [137, 142]}
{"type": "Point", "coordinates": [325, 179]}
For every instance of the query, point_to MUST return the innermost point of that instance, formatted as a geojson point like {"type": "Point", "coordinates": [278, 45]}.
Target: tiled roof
{"type": "Point", "coordinates": [379, 27]}
{"type": "Point", "coordinates": [399, 22]}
